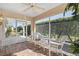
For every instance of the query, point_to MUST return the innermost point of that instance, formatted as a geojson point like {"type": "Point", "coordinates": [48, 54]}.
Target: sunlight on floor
{"type": "Point", "coordinates": [27, 52]}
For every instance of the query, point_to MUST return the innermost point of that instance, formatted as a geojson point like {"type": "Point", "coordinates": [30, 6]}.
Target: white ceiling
{"type": "Point", "coordinates": [19, 7]}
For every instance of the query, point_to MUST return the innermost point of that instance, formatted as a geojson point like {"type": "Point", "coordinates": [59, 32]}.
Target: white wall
{"type": "Point", "coordinates": [1, 35]}
{"type": "Point", "coordinates": [2, 32]}
{"type": "Point", "coordinates": [13, 40]}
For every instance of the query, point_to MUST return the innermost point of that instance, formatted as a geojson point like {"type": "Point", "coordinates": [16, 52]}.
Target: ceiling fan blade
{"type": "Point", "coordinates": [27, 3]}
{"type": "Point", "coordinates": [26, 9]}
{"type": "Point", "coordinates": [34, 10]}
{"type": "Point", "coordinates": [39, 7]}
{"type": "Point", "coordinates": [37, 10]}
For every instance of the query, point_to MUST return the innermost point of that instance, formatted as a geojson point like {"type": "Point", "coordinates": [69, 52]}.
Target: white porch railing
{"type": "Point", "coordinates": [54, 46]}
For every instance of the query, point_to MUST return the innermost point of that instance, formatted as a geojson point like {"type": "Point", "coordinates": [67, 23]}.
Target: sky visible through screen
{"type": "Point", "coordinates": [12, 22]}
{"type": "Point", "coordinates": [60, 15]}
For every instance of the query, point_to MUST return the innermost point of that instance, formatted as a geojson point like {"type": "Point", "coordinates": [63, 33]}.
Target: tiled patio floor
{"type": "Point", "coordinates": [24, 49]}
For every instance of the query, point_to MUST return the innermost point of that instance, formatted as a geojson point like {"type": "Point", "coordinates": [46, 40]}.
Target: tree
{"type": "Point", "coordinates": [9, 30]}
{"type": "Point", "coordinates": [19, 28]}
{"type": "Point", "coordinates": [74, 7]}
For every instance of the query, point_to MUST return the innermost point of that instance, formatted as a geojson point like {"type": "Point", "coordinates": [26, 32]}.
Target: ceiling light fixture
{"type": "Point", "coordinates": [34, 7]}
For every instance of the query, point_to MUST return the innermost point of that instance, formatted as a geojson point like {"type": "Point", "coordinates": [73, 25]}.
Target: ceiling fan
{"type": "Point", "coordinates": [34, 6]}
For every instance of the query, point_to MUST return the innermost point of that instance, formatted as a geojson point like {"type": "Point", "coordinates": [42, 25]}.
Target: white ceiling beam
{"type": "Point", "coordinates": [6, 13]}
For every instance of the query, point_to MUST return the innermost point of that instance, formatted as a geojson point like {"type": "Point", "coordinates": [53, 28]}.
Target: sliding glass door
{"type": "Point", "coordinates": [10, 27]}
{"type": "Point", "coordinates": [15, 27]}
{"type": "Point", "coordinates": [28, 28]}
{"type": "Point", "coordinates": [21, 28]}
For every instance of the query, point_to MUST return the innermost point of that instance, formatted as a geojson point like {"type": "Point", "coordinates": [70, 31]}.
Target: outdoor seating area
{"type": "Point", "coordinates": [27, 49]}
{"type": "Point", "coordinates": [38, 29]}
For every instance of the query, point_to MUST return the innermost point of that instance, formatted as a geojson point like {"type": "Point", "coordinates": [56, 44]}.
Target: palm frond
{"type": "Point", "coordinates": [73, 7]}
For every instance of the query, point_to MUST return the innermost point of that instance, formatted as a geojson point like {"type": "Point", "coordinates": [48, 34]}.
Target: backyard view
{"type": "Point", "coordinates": [66, 29]}
{"type": "Point", "coordinates": [50, 30]}
{"type": "Point", "coordinates": [17, 28]}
